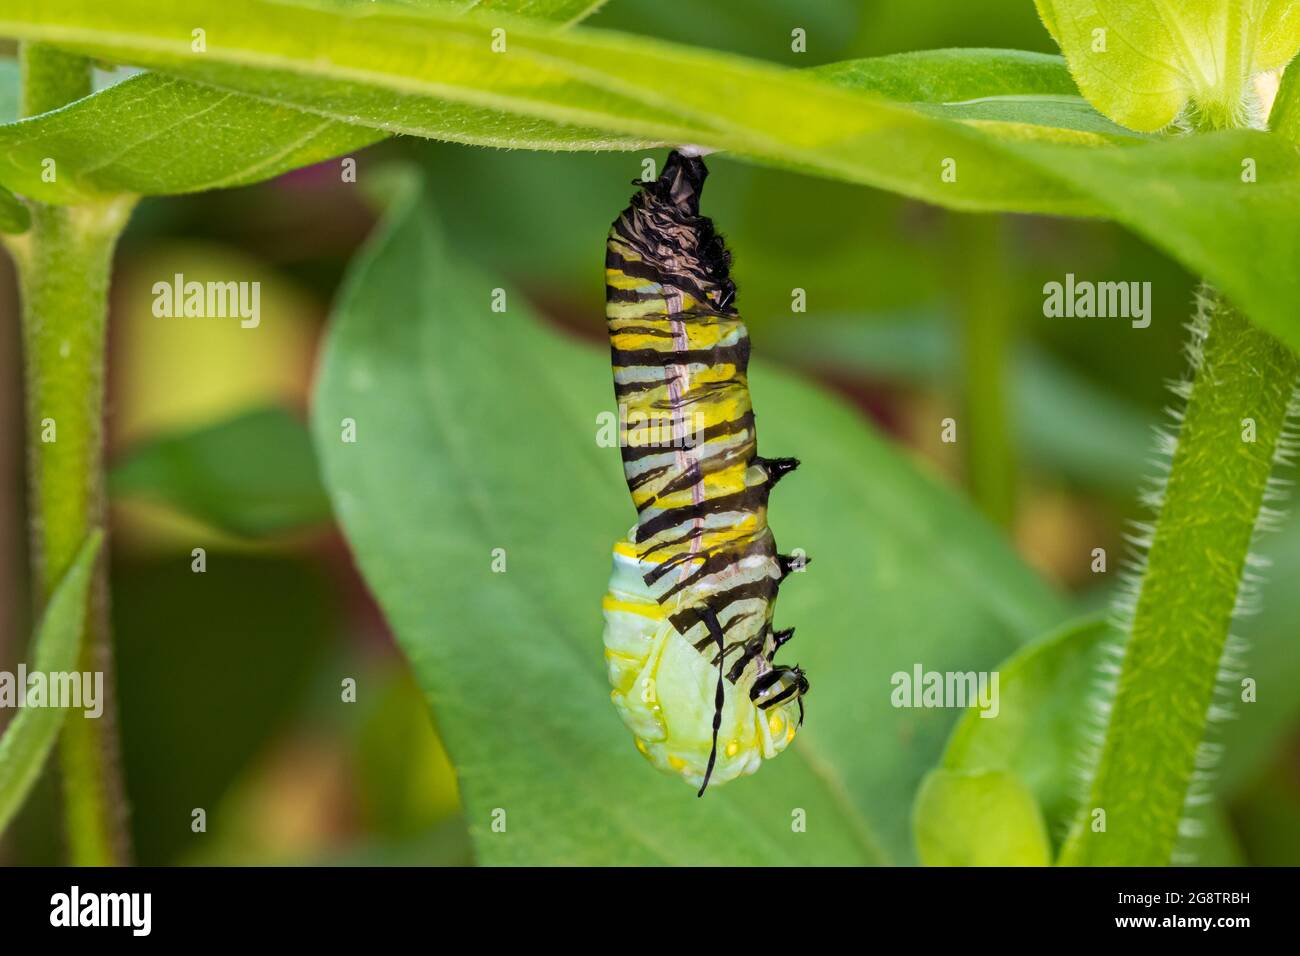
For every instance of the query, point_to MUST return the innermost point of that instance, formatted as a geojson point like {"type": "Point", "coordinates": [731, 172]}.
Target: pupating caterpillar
{"type": "Point", "coordinates": [689, 641]}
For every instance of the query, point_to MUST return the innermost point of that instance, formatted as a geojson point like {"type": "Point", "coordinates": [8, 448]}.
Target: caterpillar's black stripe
{"type": "Point", "coordinates": [737, 355]}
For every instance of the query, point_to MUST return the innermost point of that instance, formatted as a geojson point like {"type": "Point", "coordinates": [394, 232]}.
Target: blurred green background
{"type": "Point", "coordinates": [229, 682]}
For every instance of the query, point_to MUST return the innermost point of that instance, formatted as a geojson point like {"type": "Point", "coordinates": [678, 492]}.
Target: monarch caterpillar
{"type": "Point", "coordinates": [689, 641]}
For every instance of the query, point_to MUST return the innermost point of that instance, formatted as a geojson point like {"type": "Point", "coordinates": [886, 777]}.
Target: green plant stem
{"type": "Point", "coordinates": [63, 267]}
{"type": "Point", "coordinates": [986, 338]}
{"type": "Point", "coordinates": [64, 262]}
{"type": "Point", "coordinates": [1198, 552]}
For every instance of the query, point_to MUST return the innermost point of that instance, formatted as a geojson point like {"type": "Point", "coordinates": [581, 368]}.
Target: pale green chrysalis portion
{"type": "Point", "coordinates": [663, 688]}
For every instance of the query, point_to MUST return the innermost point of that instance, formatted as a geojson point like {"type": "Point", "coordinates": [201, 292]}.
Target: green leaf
{"type": "Point", "coordinates": [1049, 713]}
{"type": "Point", "coordinates": [474, 435]}
{"type": "Point", "coordinates": [561, 11]}
{"type": "Point", "coordinates": [14, 217]}
{"type": "Point", "coordinates": [253, 475]}
{"type": "Point", "coordinates": [401, 69]}
{"type": "Point", "coordinates": [1141, 63]}
{"type": "Point", "coordinates": [28, 739]}
{"type": "Point", "coordinates": [1010, 86]}
{"type": "Point", "coordinates": [1046, 710]}
{"type": "Point", "coordinates": [398, 69]}
{"type": "Point", "coordinates": [982, 818]}
{"type": "Point", "coordinates": [946, 76]}
{"type": "Point", "coordinates": [157, 135]}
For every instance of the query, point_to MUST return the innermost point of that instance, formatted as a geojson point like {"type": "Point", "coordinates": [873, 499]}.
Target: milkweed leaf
{"type": "Point", "coordinates": [14, 216]}
{"type": "Point", "coordinates": [979, 818]}
{"type": "Point", "coordinates": [31, 734]}
{"type": "Point", "coordinates": [161, 135]}
{"type": "Point", "coordinates": [474, 435]}
{"type": "Point", "coordinates": [1049, 710]}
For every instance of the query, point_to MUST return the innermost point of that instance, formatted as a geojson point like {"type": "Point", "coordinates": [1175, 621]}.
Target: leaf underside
{"type": "Point", "coordinates": [432, 72]}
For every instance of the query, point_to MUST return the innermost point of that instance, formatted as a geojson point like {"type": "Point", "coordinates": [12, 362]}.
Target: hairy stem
{"type": "Point", "coordinates": [64, 261]}
{"type": "Point", "coordinates": [1154, 762]}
